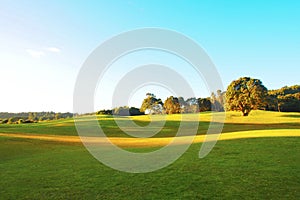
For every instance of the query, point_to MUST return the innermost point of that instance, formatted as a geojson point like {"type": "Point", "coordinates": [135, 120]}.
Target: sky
{"type": "Point", "coordinates": [43, 45]}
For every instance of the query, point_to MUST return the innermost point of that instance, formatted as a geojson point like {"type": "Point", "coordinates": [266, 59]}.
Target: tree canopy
{"type": "Point", "coordinates": [151, 104]}
{"type": "Point", "coordinates": [172, 105]}
{"type": "Point", "coordinates": [246, 94]}
{"type": "Point", "coordinates": [285, 99]}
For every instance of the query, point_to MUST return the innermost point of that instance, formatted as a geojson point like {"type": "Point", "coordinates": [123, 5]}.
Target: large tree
{"type": "Point", "coordinates": [172, 105]}
{"type": "Point", "coordinates": [245, 94]}
{"type": "Point", "coordinates": [151, 105]}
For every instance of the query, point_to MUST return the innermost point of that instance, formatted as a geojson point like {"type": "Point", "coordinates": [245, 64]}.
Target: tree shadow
{"type": "Point", "coordinates": [292, 116]}
{"type": "Point", "coordinates": [171, 128]}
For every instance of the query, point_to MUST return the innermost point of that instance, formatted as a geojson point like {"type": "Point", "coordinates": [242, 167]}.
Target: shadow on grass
{"type": "Point", "coordinates": [171, 127]}
{"type": "Point", "coordinates": [111, 129]}
{"type": "Point", "coordinates": [293, 116]}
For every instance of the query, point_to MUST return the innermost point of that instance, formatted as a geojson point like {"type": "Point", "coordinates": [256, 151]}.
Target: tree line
{"type": "Point", "coordinates": [31, 117]}
{"type": "Point", "coordinates": [244, 95]}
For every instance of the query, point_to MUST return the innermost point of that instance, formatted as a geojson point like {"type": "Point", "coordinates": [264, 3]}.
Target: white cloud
{"type": "Point", "coordinates": [35, 53]}
{"type": "Point", "coordinates": [53, 49]}
{"type": "Point", "coordinates": [40, 53]}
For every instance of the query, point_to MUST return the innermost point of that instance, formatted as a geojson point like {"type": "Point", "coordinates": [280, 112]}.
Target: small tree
{"type": "Point", "coordinates": [151, 104]}
{"type": "Point", "coordinates": [245, 94]}
{"type": "Point", "coordinates": [191, 105]}
{"type": "Point", "coordinates": [10, 121]}
{"type": "Point", "coordinates": [204, 104]}
{"type": "Point", "coordinates": [172, 105]}
{"type": "Point", "coordinates": [30, 116]}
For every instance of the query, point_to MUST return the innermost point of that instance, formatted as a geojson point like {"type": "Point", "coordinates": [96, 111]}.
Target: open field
{"type": "Point", "coordinates": [262, 165]}
{"type": "Point", "coordinates": [258, 120]}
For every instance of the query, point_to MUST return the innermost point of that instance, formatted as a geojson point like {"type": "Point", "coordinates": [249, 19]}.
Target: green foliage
{"type": "Point", "coordinates": [122, 111]}
{"type": "Point", "coordinates": [126, 111]}
{"type": "Point", "coordinates": [104, 112]}
{"type": "Point", "coordinates": [135, 111]}
{"type": "Point", "coordinates": [172, 106]}
{"type": "Point", "coordinates": [286, 99]}
{"type": "Point", "coordinates": [285, 90]}
{"type": "Point", "coordinates": [10, 121]}
{"type": "Point", "coordinates": [182, 102]}
{"type": "Point", "coordinates": [152, 105]}
{"type": "Point", "coordinates": [204, 104]}
{"type": "Point", "coordinates": [218, 101]}
{"type": "Point", "coordinates": [56, 163]}
{"type": "Point", "coordinates": [4, 121]}
{"type": "Point", "coordinates": [30, 117]}
{"type": "Point", "coordinates": [289, 103]}
{"type": "Point", "coordinates": [246, 94]}
{"type": "Point", "coordinates": [191, 105]}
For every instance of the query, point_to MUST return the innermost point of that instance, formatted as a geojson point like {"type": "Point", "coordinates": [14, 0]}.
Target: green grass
{"type": "Point", "coordinates": [260, 168]}
{"type": "Point", "coordinates": [265, 168]}
{"type": "Point", "coordinates": [258, 120]}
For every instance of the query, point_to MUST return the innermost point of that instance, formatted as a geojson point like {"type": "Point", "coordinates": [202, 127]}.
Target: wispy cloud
{"type": "Point", "coordinates": [35, 53]}
{"type": "Point", "coordinates": [40, 53]}
{"type": "Point", "coordinates": [53, 49]}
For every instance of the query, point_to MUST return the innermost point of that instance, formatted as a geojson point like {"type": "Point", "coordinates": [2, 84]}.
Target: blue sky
{"type": "Point", "coordinates": [43, 44]}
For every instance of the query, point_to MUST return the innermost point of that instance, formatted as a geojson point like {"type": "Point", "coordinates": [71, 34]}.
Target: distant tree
{"type": "Point", "coordinates": [221, 98]}
{"type": "Point", "coordinates": [35, 118]}
{"type": "Point", "coordinates": [122, 111]}
{"type": "Point", "coordinates": [246, 94]}
{"type": "Point", "coordinates": [284, 99]}
{"type": "Point", "coordinates": [4, 121]}
{"type": "Point", "coordinates": [135, 111]}
{"type": "Point", "coordinates": [151, 104]}
{"type": "Point", "coordinates": [204, 104]}
{"type": "Point", "coordinates": [289, 103]}
{"type": "Point", "coordinates": [126, 111]}
{"type": "Point", "coordinates": [217, 101]}
{"type": "Point", "coordinates": [285, 90]}
{"type": "Point", "coordinates": [30, 116]}
{"type": "Point", "coordinates": [272, 102]}
{"type": "Point", "coordinates": [10, 121]}
{"type": "Point", "coordinates": [57, 116]}
{"type": "Point", "coordinates": [191, 105]}
{"type": "Point", "coordinates": [172, 106]}
{"type": "Point", "coordinates": [182, 102]}
{"type": "Point", "coordinates": [104, 112]}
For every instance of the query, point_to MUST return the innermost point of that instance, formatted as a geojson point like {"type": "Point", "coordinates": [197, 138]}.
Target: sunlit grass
{"type": "Point", "coordinates": [234, 122]}
{"type": "Point", "coordinates": [256, 157]}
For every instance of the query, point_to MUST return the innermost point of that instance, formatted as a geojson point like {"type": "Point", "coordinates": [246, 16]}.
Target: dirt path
{"type": "Point", "coordinates": [157, 142]}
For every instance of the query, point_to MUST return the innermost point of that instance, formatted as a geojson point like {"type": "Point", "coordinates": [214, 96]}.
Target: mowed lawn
{"type": "Point", "coordinates": [256, 168]}
{"type": "Point", "coordinates": [234, 122]}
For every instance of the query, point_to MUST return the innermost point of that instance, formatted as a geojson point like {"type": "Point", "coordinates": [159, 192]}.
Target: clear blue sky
{"type": "Point", "coordinates": [44, 43]}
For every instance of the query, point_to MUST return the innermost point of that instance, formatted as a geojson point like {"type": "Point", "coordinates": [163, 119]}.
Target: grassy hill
{"type": "Point", "coordinates": [256, 168]}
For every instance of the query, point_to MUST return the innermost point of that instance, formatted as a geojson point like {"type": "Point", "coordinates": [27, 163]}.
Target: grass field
{"type": "Point", "coordinates": [262, 167]}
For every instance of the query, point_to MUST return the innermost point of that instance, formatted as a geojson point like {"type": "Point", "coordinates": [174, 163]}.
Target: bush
{"type": "Point", "coordinates": [126, 111]}
{"type": "Point", "coordinates": [104, 112]}
{"type": "Point", "coordinates": [4, 121]}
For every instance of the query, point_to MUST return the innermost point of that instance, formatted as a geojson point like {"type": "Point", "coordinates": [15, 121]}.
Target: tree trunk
{"type": "Point", "coordinates": [246, 113]}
